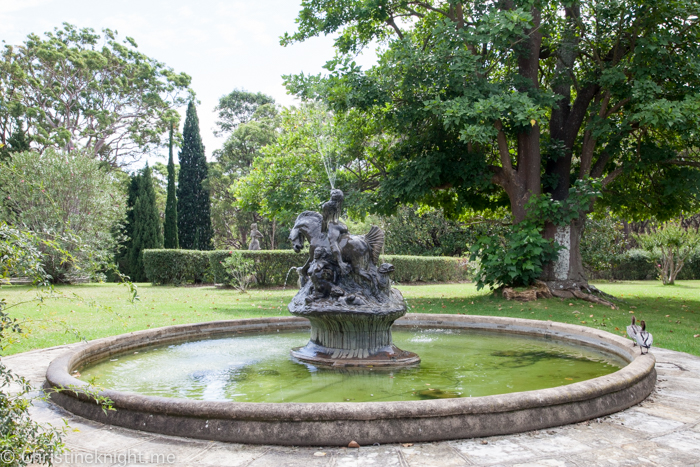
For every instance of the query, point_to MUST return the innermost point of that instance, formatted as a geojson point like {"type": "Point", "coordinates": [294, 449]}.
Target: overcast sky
{"type": "Point", "coordinates": [223, 45]}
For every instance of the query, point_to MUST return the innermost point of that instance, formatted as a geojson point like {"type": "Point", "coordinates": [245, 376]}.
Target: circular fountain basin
{"type": "Point", "coordinates": [426, 412]}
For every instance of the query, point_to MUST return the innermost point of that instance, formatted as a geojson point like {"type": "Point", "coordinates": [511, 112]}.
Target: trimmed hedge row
{"type": "Point", "coordinates": [176, 266]}
{"type": "Point", "coordinates": [272, 266]}
{"type": "Point", "coordinates": [637, 265]}
{"type": "Point", "coordinates": [427, 268]}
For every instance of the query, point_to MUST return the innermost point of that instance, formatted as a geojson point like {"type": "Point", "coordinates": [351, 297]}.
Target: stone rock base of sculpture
{"type": "Point", "coordinates": [347, 339]}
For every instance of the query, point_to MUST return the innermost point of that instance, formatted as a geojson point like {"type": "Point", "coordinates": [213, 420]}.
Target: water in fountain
{"type": "Point", "coordinates": [259, 368]}
{"type": "Point", "coordinates": [293, 268]}
{"type": "Point", "coordinates": [329, 163]}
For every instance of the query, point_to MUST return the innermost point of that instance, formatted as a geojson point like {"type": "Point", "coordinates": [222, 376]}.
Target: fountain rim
{"type": "Point", "coordinates": [573, 403]}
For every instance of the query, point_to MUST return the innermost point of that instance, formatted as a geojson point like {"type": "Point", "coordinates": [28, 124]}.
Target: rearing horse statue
{"type": "Point", "coordinates": [354, 253]}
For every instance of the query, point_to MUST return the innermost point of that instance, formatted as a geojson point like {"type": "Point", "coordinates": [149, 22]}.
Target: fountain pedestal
{"type": "Point", "coordinates": [345, 294]}
{"type": "Point", "coordinates": [342, 338]}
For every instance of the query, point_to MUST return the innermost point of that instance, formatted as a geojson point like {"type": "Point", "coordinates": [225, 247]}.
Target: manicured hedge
{"type": "Point", "coordinates": [427, 268]}
{"type": "Point", "coordinates": [634, 265]}
{"type": "Point", "coordinates": [176, 266]}
{"type": "Point", "coordinates": [272, 266]}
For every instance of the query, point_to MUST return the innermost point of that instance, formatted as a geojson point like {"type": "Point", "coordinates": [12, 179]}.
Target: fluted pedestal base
{"type": "Point", "coordinates": [346, 338]}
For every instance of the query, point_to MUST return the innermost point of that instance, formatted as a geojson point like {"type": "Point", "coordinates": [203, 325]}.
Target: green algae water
{"type": "Point", "coordinates": [259, 368]}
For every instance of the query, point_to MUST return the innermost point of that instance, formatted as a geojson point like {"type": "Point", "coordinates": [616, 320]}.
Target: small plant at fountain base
{"type": "Point", "coordinates": [240, 270]}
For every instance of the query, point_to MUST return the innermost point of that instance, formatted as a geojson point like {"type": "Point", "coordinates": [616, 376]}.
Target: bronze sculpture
{"type": "Point", "coordinates": [347, 298]}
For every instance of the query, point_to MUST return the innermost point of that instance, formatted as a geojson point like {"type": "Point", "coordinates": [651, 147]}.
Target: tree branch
{"type": "Point", "coordinates": [611, 176]}
{"type": "Point", "coordinates": [503, 150]}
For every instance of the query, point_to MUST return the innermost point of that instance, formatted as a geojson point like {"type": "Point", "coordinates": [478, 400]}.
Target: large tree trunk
{"type": "Point", "coordinates": [565, 276]}
{"type": "Point", "coordinates": [567, 270]}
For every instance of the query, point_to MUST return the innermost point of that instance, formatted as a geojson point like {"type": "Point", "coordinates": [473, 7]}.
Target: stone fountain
{"type": "Point", "coordinates": [345, 294]}
{"type": "Point", "coordinates": [347, 301]}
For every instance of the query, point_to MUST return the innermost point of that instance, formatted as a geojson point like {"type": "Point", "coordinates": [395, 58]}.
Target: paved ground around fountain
{"type": "Point", "coordinates": [663, 430]}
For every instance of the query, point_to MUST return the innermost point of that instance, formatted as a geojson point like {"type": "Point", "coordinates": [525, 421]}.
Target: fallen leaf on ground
{"type": "Point", "coordinates": [319, 454]}
{"type": "Point", "coordinates": [407, 445]}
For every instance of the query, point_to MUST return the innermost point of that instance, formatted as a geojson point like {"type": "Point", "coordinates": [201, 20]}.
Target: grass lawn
{"type": "Point", "coordinates": [672, 313]}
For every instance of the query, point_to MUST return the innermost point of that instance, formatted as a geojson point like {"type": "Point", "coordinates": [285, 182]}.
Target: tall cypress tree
{"type": "Point", "coordinates": [193, 206]}
{"type": "Point", "coordinates": [127, 231]}
{"type": "Point", "coordinates": [146, 229]}
{"type": "Point", "coordinates": [170, 239]}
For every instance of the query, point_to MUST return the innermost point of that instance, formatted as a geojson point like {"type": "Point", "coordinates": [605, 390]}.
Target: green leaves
{"type": "Point", "coordinates": [111, 100]}
{"type": "Point", "coordinates": [288, 177]}
{"type": "Point", "coordinates": [69, 199]}
{"type": "Point", "coordinates": [543, 208]}
{"type": "Point", "coordinates": [669, 245]}
{"type": "Point", "coordinates": [239, 107]}
{"type": "Point", "coordinates": [517, 259]}
{"type": "Point", "coordinates": [239, 270]}
{"type": "Point", "coordinates": [193, 197]}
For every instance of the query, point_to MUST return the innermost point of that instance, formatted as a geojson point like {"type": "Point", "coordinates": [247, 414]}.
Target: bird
{"type": "Point", "coordinates": [633, 330]}
{"type": "Point", "coordinates": [644, 338]}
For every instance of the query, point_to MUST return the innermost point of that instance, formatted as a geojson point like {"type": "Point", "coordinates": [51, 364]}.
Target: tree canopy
{"type": "Point", "coordinates": [288, 176]}
{"type": "Point", "coordinates": [478, 104]}
{"type": "Point", "coordinates": [74, 88]}
{"type": "Point", "coordinates": [238, 107]}
{"type": "Point", "coordinates": [528, 96]}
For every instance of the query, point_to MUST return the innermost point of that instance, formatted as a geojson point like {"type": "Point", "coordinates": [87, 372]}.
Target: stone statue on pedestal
{"type": "Point", "coordinates": [255, 237]}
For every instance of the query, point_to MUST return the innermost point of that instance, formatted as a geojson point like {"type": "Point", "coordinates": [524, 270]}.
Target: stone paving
{"type": "Point", "coordinates": [664, 430]}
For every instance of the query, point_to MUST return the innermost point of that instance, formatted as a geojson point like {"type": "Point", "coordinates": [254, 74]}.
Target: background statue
{"type": "Point", "coordinates": [255, 235]}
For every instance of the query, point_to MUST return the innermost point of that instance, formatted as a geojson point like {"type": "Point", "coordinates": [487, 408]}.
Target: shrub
{"type": "Point", "coordinates": [691, 270]}
{"type": "Point", "coordinates": [634, 265]}
{"type": "Point", "coordinates": [271, 266]}
{"type": "Point", "coordinates": [176, 266]}
{"type": "Point", "coordinates": [70, 199]}
{"type": "Point", "coordinates": [637, 265]}
{"type": "Point", "coordinates": [603, 244]}
{"type": "Point", "coordinates": [241, 271]}
{"type": "Point", "coordinates": [517, 259]}
{"type": "Point", "coordinates": [670, 247]}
